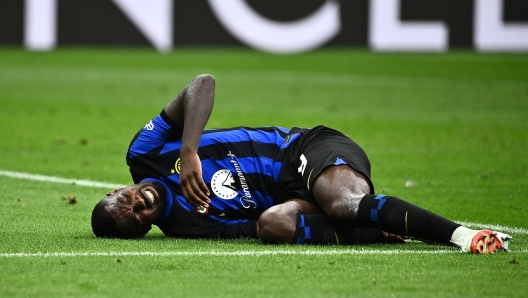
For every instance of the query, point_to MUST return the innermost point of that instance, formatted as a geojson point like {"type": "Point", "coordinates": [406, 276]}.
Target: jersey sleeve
{"type": "Point", "coordinates": [146, 145]}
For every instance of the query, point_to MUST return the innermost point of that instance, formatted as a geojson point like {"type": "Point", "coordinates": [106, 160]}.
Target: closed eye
{"type": "Point", "coordinates": [124, 200]}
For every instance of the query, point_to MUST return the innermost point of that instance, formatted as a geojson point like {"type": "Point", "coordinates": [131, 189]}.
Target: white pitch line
{"type": "Point", "coordinates": [504, 229]}
{"type": "Point", "coordinates": [236, 253]}
{"type": "Point", "coordinates": [53, 179]}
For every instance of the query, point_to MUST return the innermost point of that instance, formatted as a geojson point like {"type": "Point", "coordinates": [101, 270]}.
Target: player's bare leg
{"type": "Point", "coordinates": [343, 195]}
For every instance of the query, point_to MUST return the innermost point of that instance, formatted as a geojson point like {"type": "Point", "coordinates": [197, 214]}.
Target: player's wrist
{"type": "Point", "coordinates": [186, 151]}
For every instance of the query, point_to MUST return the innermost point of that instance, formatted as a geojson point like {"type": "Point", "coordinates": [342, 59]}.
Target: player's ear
{"type": "Point", "coordinates": [113, 191]}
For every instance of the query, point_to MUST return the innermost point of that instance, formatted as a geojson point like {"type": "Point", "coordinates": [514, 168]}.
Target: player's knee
{"type": "Point", "coordinates": [276, 227]}
{"type": "Point", "coordinates": [339, 190]}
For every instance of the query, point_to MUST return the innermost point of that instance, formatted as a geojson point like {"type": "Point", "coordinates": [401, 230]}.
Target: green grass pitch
{"type": "Point", "coordinates": [448, 132]}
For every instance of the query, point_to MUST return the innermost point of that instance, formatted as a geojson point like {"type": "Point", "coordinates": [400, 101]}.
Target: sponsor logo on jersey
{"type": "Point", "coordinates": [241, 176]}
{"type": "Point", "coordinates": [149, 126]}
{"type": "Point", "coordinates": [247, 203]}
{"type": "Point", "coordinates": [224, 185]}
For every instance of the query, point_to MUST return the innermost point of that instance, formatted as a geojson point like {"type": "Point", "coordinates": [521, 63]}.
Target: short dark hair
{"type": "Point", "coordinates": [103, 223]}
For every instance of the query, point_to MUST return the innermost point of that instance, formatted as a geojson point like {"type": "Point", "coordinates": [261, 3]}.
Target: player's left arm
{"type": "Point", "coordinates": [190, 110]}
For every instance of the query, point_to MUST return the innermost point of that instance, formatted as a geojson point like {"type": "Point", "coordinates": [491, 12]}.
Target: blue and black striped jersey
{"type": "Point", "coordinates": [239, 165]}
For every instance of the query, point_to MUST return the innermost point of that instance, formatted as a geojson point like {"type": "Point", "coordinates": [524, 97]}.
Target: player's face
{"type": "Point", "coordinates": [136, 207]}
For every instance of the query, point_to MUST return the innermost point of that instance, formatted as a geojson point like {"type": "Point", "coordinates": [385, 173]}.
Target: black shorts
{"type": "Point", "coordinates": [308, 156]}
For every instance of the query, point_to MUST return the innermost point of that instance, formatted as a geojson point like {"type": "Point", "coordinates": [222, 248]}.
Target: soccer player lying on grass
{"type": "Point", "coordinates": [306, 186]}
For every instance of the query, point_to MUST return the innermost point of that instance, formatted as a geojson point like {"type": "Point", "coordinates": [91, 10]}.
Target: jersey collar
{"type": "Point", "coordinates": [168, 201]}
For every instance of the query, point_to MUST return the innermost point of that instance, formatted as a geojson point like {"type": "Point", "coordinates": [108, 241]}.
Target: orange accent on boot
{"type": "Point", "coordinates": [485, 242]}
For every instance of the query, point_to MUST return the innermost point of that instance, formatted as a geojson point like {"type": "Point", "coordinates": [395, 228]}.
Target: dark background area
{"type": "Point", "coordinates": [100, 22]}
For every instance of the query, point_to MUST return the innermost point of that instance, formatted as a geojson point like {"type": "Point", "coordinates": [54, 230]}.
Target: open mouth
{"type": "Point", "coordinates": [149, 196]}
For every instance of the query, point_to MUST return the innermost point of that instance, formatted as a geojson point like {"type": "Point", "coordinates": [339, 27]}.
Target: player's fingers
{"type": "Point", "coordinates": [196, 201]}
{"type": "Point", "coordinates": [198, 194]}
{"type": "Point", "coordinates": [395, 238]}
{"type": "Point", "coordinates": [200, 188]}
{"type": "Point", "coordinates": [191, 197]}
{"type": "Point", "coordinates": [391, 238]}
{"type": "Point", "coordinates": [203, 188]}
{"type": "Point", "coordinates": [201, 196]}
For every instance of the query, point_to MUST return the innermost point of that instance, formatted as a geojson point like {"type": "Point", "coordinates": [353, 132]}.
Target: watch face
{"type": "Point", "coordinates": [223, 184]}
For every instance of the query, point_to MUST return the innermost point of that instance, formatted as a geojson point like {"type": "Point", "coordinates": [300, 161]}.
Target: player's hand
{"type": "Point", "coordinates": [391, 238]}
{"type": "Point", "coordinates": [194, 189]}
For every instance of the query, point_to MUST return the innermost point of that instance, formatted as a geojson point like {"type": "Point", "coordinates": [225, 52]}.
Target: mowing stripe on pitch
{"type": "Point", "coordinates": [235, 253]}
{"type": "Point", "coordinates": [325, 78]}
{"type": "Point", "coordinates": [88, 183]}
{"type": "Point", "coordinates": [285, 77]}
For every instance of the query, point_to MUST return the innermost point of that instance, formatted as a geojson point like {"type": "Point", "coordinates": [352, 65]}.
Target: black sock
{"type": "Point", "coordinates": [402, 218]}
{"type": "Point", "coordinates": [318, 229]}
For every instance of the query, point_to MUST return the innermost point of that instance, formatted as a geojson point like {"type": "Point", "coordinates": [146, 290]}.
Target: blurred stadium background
{"type": "Point", "coordinates": [269, 25]}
